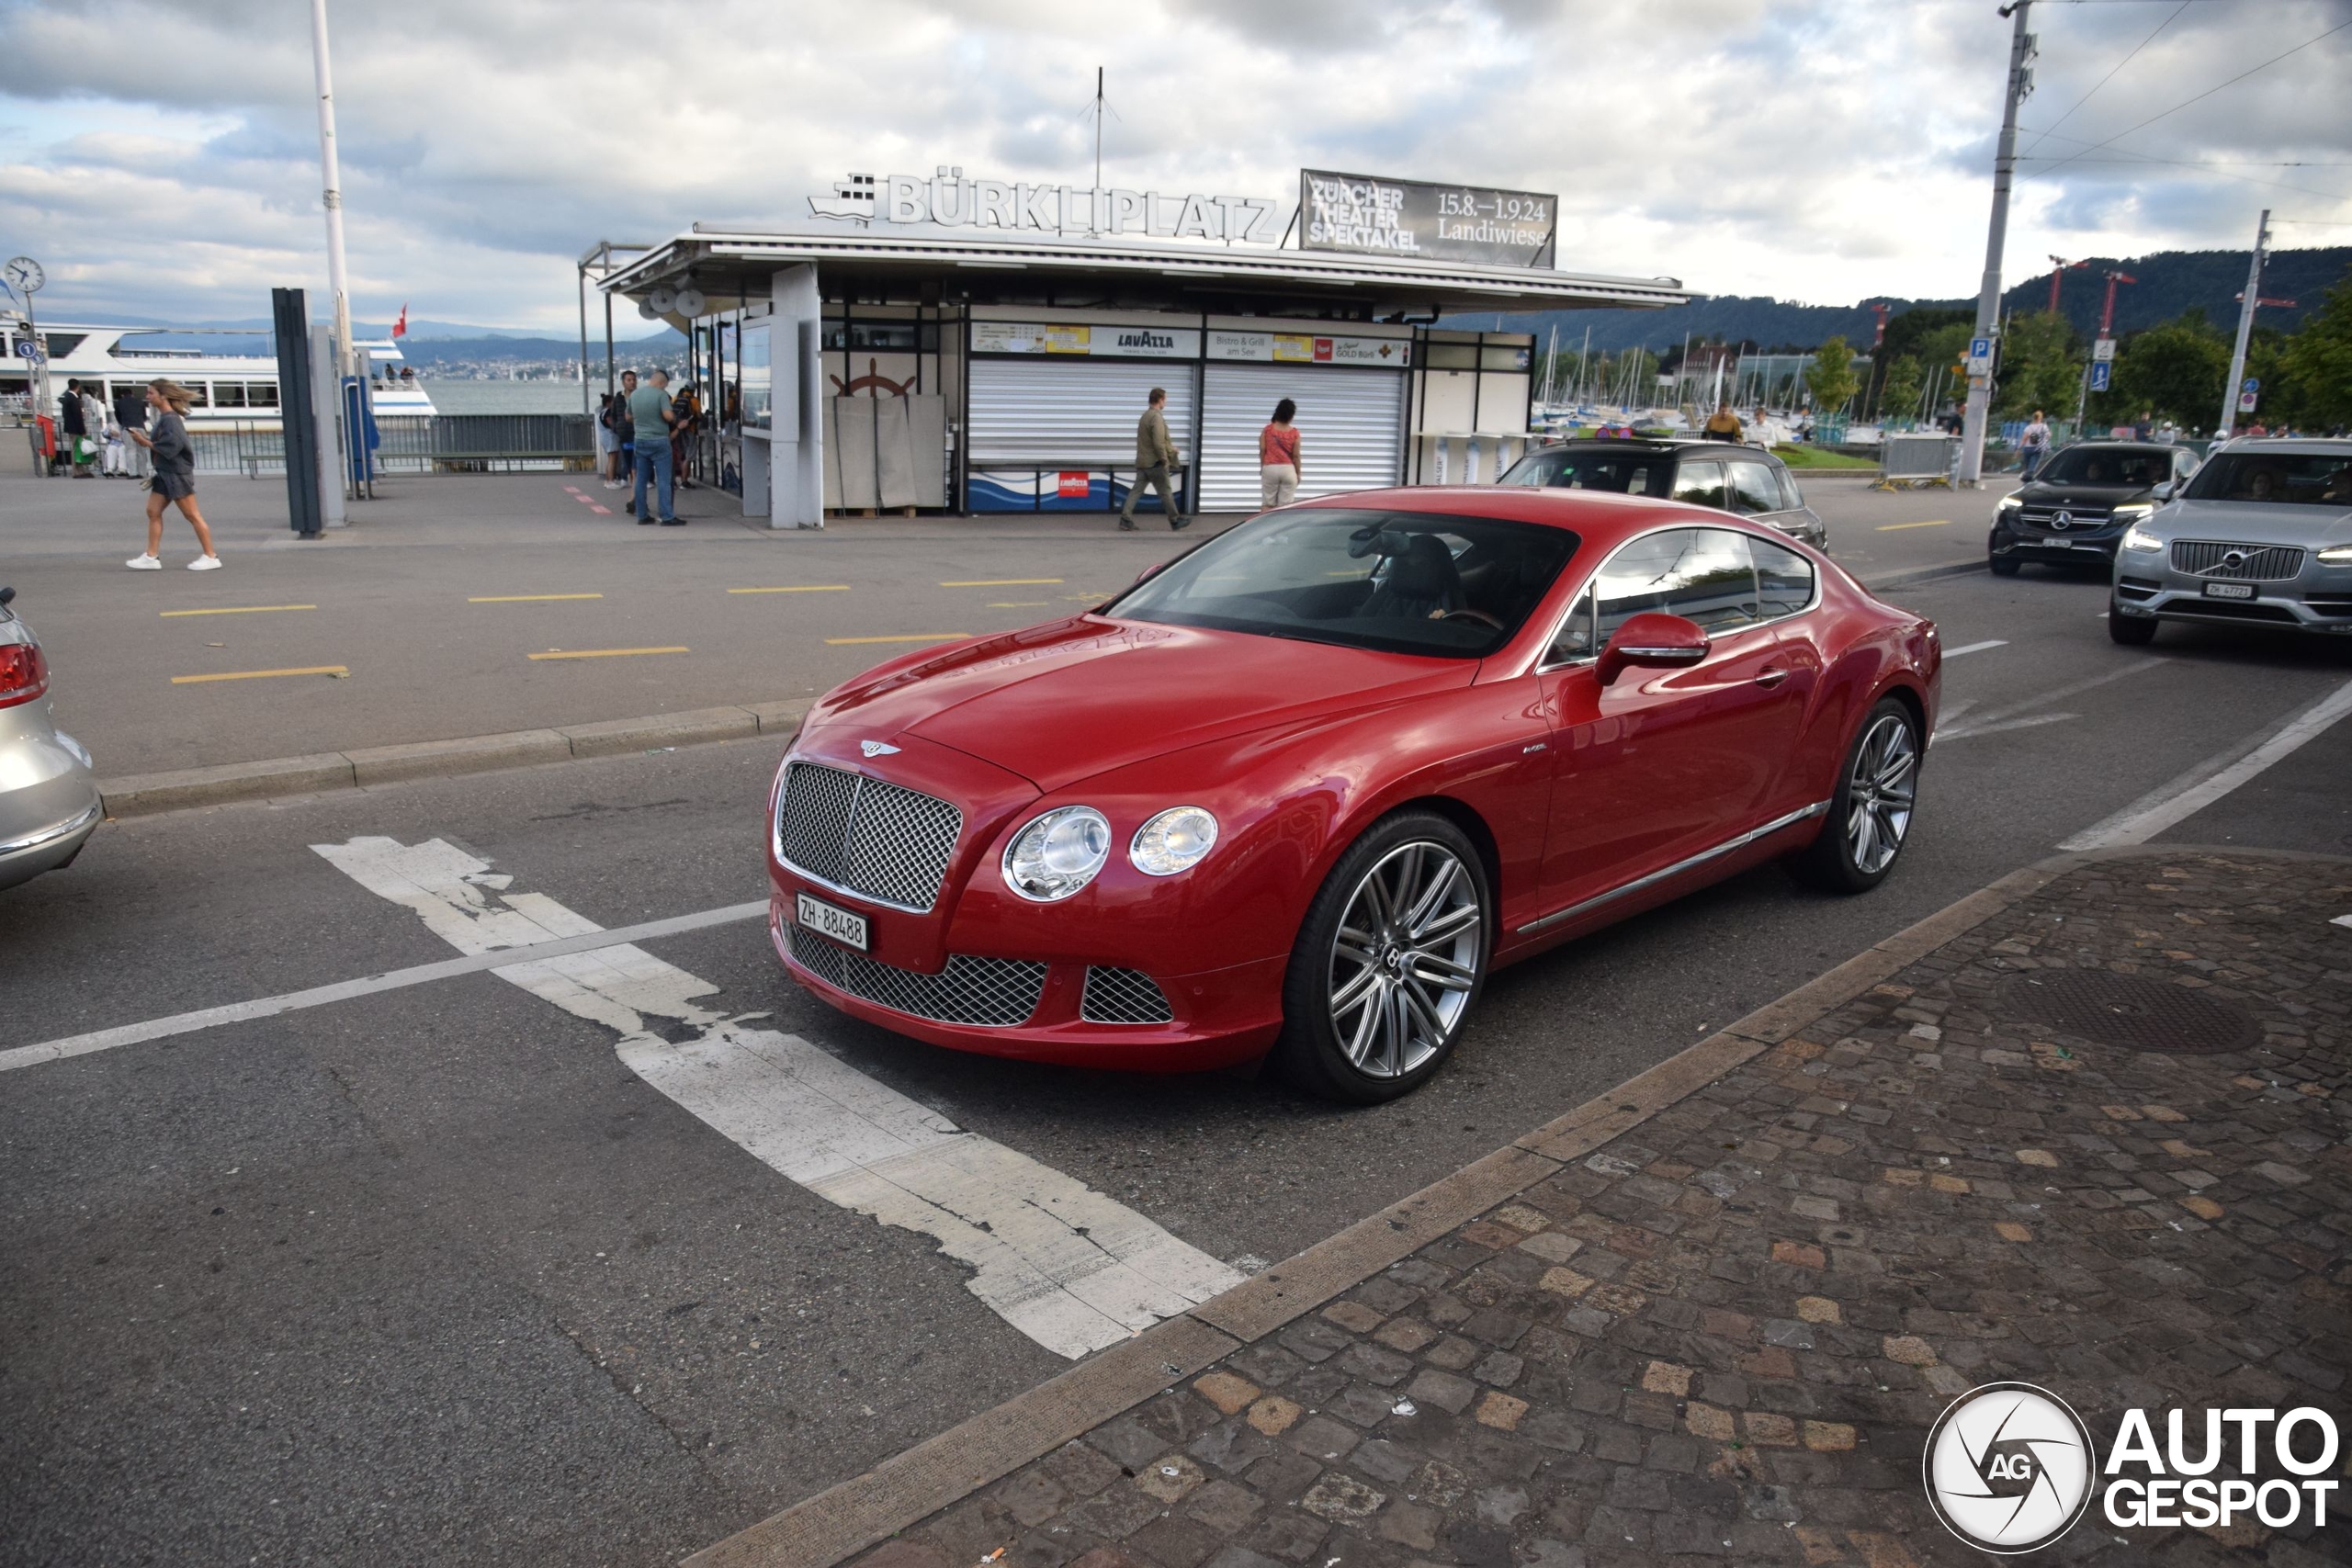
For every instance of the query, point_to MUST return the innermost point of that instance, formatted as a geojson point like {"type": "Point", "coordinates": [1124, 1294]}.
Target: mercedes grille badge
{"type": "Point", "coordinates": [2061, 520]}
{"type": "Point", "coordinates": [877, 747]}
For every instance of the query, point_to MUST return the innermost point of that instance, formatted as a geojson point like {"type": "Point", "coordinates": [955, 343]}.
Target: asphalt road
{"type": "Point", "coordinates": [438, 614]}
{"type": "Point", "coordinates": [430, 1274]}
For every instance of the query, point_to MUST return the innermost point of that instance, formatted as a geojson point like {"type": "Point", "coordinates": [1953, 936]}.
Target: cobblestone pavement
{"type": "Point", "coordinates": [1724, 1335]}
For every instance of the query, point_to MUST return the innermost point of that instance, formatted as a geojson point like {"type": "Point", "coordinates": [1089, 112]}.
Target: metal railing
{"type": "Point", "coordinates": [419, 444]}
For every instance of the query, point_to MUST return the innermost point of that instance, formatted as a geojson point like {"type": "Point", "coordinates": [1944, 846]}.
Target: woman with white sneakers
{"type": "Point", "coordinates": [175, 479]}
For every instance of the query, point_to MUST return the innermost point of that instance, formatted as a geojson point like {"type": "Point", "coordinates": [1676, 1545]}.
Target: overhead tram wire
{"type": "Point", "coordinates": [2200, 97]}
{"type": "Point", "coordinates": [2041, 136]}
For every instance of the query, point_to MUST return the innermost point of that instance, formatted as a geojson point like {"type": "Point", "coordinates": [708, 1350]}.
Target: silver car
{"type": "Point", "coordinates": [2261, 537]}
{"type": "Point", "coordinates": [48, 802]}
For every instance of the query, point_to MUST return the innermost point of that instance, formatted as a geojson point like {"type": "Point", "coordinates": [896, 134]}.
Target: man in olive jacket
{"type": "Point", "coordinates": [1155, 458]}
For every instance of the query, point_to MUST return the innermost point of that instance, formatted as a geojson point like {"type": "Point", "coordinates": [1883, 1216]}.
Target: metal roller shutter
{"type": "Point", "coordinates": [1350, 425]}
{"type": "Point", "coordinates": [1071, 412]}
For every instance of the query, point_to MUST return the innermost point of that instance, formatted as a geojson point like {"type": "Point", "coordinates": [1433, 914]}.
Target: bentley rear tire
{"type": "Point", "coordinates": [1869, 816]}
{"type": "Point", "coordinates": [1389, 964]}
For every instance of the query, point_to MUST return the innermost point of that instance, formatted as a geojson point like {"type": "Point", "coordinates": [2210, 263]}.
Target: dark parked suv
{"type": "Point", "coordinates": [2073, 511]}
{"type": "Point", "coordinates": [1747, 480]}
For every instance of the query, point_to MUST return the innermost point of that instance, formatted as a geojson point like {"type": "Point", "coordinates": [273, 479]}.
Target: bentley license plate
{"type": "Point", "coordinates": [2229, 591]}
{"type": "Point", "coordinates": [839, 924]}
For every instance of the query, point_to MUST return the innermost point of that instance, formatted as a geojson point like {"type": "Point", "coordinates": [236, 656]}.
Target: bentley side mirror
{"type": "Point", "coordinates": [1655, 641]}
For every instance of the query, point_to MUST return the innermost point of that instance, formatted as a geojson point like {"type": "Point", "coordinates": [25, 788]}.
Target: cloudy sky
{"type": "Point", "coordinates": [160, 160]}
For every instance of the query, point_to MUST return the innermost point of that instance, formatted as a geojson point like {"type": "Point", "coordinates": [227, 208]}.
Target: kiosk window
{"type": "Point", "coordinates": [1702, 574]}
{"type": "Point", "coordinates": [1753, 489]}
{"type": "Point", "coordinates": [1702, 484]}
{"type": "Point", "coordinates": [1783, 578]}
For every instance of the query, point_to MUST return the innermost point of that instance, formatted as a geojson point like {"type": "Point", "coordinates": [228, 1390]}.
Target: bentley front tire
{"type": "Point", "coordinates": [1389, 963]}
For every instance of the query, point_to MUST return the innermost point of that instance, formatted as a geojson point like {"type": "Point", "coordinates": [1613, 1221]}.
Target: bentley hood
{"type": "Point", "coordinates": [1062, 701]}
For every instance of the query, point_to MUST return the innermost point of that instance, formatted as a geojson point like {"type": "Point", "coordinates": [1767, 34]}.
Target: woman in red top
{"type": "Point", "coordinates": [1278, 458]}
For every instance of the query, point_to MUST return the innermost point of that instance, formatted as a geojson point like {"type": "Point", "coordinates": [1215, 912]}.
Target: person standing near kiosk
{"type": "Point", "coordinates": [1156, 458]}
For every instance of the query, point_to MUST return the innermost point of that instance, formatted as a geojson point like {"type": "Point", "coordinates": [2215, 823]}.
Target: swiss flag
{"type": "Point", "coordinates": [400, 328]}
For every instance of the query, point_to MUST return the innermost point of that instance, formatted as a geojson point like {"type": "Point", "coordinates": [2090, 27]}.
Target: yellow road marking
{"type": "Point", "coordinates": [1894, 527]}
{"type": "Point", "coordinates": [239, 610]}
{"type": "Point", "coordinates": [798, 588]}
{"type": "Point", "coordinates": [1003, 582]}
{"type": "Point", "coordinates": [1019, 604]}
{"type": "Point", "coordinates": [261, 674]}
{"type": "Point", "coordinates": [916, 636]}
{"type": "Point", "coordinates": [527, 598]}
{"type": "Point", "coordinates": [603, 652]}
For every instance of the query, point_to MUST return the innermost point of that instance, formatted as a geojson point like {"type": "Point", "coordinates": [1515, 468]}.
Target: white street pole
{"type": "Point", "coordinates": [338, 284]}
{"type": "Point", "coordinates": [2246, 330]}
{"type": "Point", "coordinates": [1988, 299]}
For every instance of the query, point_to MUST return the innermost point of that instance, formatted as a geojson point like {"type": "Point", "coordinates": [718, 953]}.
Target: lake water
{"type": "Point", "coordinates": [508, 397]}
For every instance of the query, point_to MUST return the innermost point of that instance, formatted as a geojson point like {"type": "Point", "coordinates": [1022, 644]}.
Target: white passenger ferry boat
{"type": "Point", "coordinates": [229, 388]}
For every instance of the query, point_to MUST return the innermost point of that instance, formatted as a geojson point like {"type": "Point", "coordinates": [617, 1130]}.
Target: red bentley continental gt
{"type": "Point", "coordinates": [1303, 789]}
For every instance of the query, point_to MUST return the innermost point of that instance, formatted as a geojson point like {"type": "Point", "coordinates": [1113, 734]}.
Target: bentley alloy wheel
{"type": "Point", "coordinates": [1388, 962]}
{"type": "Point", "coordinates": [1405, 959]}
{"type": "Point", "coordinates": [1880, 793]}
{"type": "Point", "coordinates": [1870, 814]}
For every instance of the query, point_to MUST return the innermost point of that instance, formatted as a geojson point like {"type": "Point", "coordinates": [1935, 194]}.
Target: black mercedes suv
{"type": "Point", "coordinates": [2078, 504]}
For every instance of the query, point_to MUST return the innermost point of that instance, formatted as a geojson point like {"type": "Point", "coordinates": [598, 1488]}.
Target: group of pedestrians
{"type": "Point", "coordinates": [1156, 460]}
{"type": "Point", "coordinates": [96, 440]}
{"type": "Point", "coordinates": [645, 432]}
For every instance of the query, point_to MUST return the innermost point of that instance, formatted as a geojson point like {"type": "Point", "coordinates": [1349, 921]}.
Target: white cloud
{"type": "Point", "coordinates": [1810, 149]}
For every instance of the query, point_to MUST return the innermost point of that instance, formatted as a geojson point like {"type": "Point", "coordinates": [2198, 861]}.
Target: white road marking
{"type": "Point", "coordinates": [1999, 718]}
{"type": "Point", "coordinates": [365, 985]}
{"type": "Point", "coordinates": [1067, 1266]}
{"type": "Point", "coordinates": [1975, 648]}
{"type": "Point", "coordinates": [2032, 721]}
{"type": "Point", "coordinates": [2212, 779]}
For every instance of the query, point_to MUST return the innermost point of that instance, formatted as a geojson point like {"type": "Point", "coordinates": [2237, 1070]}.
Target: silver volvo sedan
{"type": "Point", "coordinates": [2261, 537]}
{"type": "Point", "coordinates": [48, 802]}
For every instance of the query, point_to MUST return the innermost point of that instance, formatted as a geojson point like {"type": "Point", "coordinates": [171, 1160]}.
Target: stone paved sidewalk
{"type": "Point", "coordinates": [1722, 1336]}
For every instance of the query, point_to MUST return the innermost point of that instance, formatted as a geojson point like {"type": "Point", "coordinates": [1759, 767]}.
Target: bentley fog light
{"type": "Point", "coordinates": [1057, 855]}
{"type": "Point", "coordinates": [1172, 842]}
{"type": "Point", "coordinates": [2139, 538]}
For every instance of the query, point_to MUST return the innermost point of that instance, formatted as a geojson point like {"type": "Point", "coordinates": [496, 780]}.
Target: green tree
{"type": "Point", "coordinates": [1899, 398]}
{"type": "Point", "coordinates": [2318, 359]}
{"type": "Point", "coordinates": [2175, 370]}
{"type": "Point", "coordinates": [2039, 367]}
{"type": "Point", "coordinates": [1831, 377]}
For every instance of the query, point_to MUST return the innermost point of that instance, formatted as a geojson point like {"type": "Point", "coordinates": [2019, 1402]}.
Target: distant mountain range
{"type": "Point", "coordinates": [2169, 283]}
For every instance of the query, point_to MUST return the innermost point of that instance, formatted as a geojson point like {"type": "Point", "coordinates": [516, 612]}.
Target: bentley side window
{"type": "Point", "coordinates": [1703, 574]}
{"type": "Point", "coordinates": [1577, 639]}
{"type": "Point", "coordinates": [1783, 580]}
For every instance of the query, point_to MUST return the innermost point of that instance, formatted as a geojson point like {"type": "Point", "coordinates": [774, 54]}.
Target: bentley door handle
{"type": "Point", "coordinates": [1772, 677]}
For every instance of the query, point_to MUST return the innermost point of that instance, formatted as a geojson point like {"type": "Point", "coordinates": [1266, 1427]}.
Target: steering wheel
{"type": "Point", "coordinates": [1481, 616]}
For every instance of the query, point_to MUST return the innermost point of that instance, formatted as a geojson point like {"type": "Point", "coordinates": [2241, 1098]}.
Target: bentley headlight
{"type": "Point", "coordinates": [2336, 554]}
{"type": "Point", "coordinates": [2139, 538]}
{"type": "Point", "coordinates": [1057, 855]}
{"type": "Point", "coordinates": [1172, 842]}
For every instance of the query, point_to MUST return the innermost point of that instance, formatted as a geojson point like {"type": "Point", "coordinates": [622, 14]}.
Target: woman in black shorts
{"type": "Point", "coordinates": [175, 479]}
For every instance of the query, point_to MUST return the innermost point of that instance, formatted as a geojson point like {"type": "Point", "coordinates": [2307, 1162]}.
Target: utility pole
{"type": "Point", "coordinates": [338, 284]}
{"type": "Point", "coordinates": [2103, 350]}
{"type": "Point", "coordinates": [2245, 330]}
{"type": "Point", "coordinates": [1988, 298]}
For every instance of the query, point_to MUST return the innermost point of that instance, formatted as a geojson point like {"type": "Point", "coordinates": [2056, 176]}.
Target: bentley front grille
{"type": "Point", "coordinates": [1123, 995]}
{"type": "Point", "coordinates": [888, 843]}
{"type": "Point", "coordinates": [2253, 563]}
{"type": "Point", "coordinates": [994, 993]}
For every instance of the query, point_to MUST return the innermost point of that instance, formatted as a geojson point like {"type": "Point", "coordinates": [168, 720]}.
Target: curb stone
{"type": "Point", "coordinates": [829, 1527]}
{"type": "Point", "coordinates": [143, 794]}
